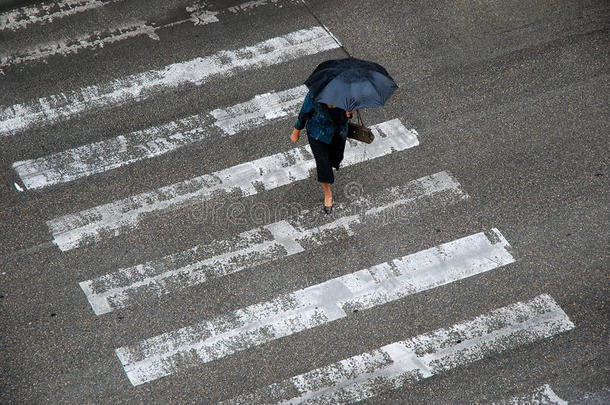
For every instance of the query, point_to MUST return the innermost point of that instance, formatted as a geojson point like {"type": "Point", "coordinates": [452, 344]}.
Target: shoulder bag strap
{"type": "Point", "coordinates": [359, 118]}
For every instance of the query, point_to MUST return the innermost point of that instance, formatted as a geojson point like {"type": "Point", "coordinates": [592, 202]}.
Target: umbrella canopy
{"type": "Point", "coordinates": [351, 84]}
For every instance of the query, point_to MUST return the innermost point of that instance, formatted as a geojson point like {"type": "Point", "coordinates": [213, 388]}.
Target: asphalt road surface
{"type": "Point", "coordinates": [163, 242]}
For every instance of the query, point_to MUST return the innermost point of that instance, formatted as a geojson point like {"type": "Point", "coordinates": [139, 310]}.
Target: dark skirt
{"type": "Point", "coordinates": [327, 156]}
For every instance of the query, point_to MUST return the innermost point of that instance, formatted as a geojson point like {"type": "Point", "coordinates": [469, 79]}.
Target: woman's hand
{"type": "Point", "coordinates": [294, 137]}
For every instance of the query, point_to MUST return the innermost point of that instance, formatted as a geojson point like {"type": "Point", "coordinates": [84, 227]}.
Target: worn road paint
{"type": "Point", "coordinates": [267, 243]}
{"type": "Point", "coordinates": [246, 179]}
{"type": "Point", "coordinates": [392, 366]}
{"type": "Point", "coordinates": [27, 251]}
{"type": "Point", "coordinates": [126, 149]}
{"type": "Point", "coordinates": [140, 86]}
{"type": "Point", "coordinates": [45, 13]}
{"type": "Point", "coordinates": [202, 15]}
{"type": "Point", "coordinates": [70, 46]}
{"type": "Point", "coordinates": [199, 15]}
{"type": "Point", "coordinates": [541, 395]}
{"type": "Point", "coordinates": [313, 306]}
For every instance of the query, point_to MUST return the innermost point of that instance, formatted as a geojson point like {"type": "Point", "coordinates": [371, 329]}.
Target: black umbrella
{"type": "Point", "coordinates": [351, 84]}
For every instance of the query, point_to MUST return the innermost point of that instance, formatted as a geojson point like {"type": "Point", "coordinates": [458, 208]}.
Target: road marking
{"type": "Point", "coordinates": [140, 86]}
{"type": "Point", "coordinates": [406, 362]}
{"type": "Point", "coordinates": [267, 243]}
{"type": "Point", "coordinates": [126, 149]}
{"type": "Point", "coordinates": [199, 15]}
{"type": "Point", "coordinates": [541, 395]}
{"type": "Point", "coordinates": [70, 46]}
{"type": "Point", "coordinates": [249, 178]}
{"type": "Point", "coordinates": [45, 13]}
{"type": "Point", "coordinates": [313, 306]}
{"type": "Point", "coordinates": [28, 251]}
{"type": "Point", "coordinates": [259, 110]}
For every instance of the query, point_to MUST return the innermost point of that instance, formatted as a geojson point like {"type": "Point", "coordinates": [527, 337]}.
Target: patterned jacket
{"type": "Point", "coordinates": [320, 124]}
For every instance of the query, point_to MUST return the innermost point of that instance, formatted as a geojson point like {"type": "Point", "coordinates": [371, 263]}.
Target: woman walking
{"type": "Point", "coordinates": [326, 132]}
{"type": "Point", "coordinates": [337, 88]}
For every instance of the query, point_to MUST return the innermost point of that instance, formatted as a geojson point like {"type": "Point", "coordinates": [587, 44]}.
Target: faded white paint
{"type": "Point", "coordinates": [47, 12]}
{"type": "Point", "coordinates": [142, 85]}
{"type": "Point", "coordinates": [256, 112]}
{"type": "Point", "coordinates": [304, 309]}
{"type": "Point", "coordinates": [392, 366]}
{"type": "Point", "coordinates": [262, 245]}
{"type": "Point", "coordinates": [199, 15]}
{"type": "Point", "coordinates": [125, 149]}
{"type": "Point", "coordinates": [541, 395]}
{"type": "Point", "coordinates": [69, 46]}
{"type": "Point", "coordinates": [247, 179]}
{"type": "Point", "coordinates": [250, 5]}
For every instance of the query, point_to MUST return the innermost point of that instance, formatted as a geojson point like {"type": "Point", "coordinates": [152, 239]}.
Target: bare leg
{"type": "Point", "coordinates": [328, 195]}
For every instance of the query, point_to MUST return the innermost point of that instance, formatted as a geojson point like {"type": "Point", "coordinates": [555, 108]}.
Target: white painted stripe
{"type": "Point", "coordinates": [262, 245]}
{"type": "Point", "coordinates": [140, 86]}
{"type": "Point", "coordinates": [389, 367]}
{"type": "Point", "coordinates": [258, 111]}
{"type": "Point", "coordinates": [199, 15]}
{"type": "Point", "coordinates": [250, 5]}
{"type": "Point", "coordinates": [47, 12]}
{"type": "Point", "coordinates": [112, 153]}
{"type": "Point", "coordinates": [70, 46]}
{"type": "Point", "coordinates": [312, 306]}
{"type": "Point", "coordinates": [248, 179]}
{"type": "Point", "coordinates": [541, 395]}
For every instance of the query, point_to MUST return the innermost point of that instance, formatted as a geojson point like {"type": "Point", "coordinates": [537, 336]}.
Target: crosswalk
{"type": "Point", "coordinates": [14, 21]}
{"type": "Point", "coordinates": [122, 150]}
{"type": "Point", "coordinates": [169, 354]}
{"type": "Point", "coordinates": [264, 244]}
{"type": "Point", "coordinates": [250, 178]}
{"type": "Point", "coordinates": [67, 105]}
{"type": "Point", "coordinates": [354, 379]}
{"type": "Point", "coordinates": [313, 306]}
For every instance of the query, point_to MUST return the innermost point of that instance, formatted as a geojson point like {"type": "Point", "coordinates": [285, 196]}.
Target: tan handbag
{"type": "Point", "coordinates": [359, 131]}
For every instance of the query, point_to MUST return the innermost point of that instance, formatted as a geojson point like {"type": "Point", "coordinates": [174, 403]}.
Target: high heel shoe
{"type": "Point", "coordinates": [328, 208]}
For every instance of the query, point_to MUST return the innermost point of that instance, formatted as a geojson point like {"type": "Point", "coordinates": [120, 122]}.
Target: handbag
{"type": "Point", "coordinates": [359, 131]}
